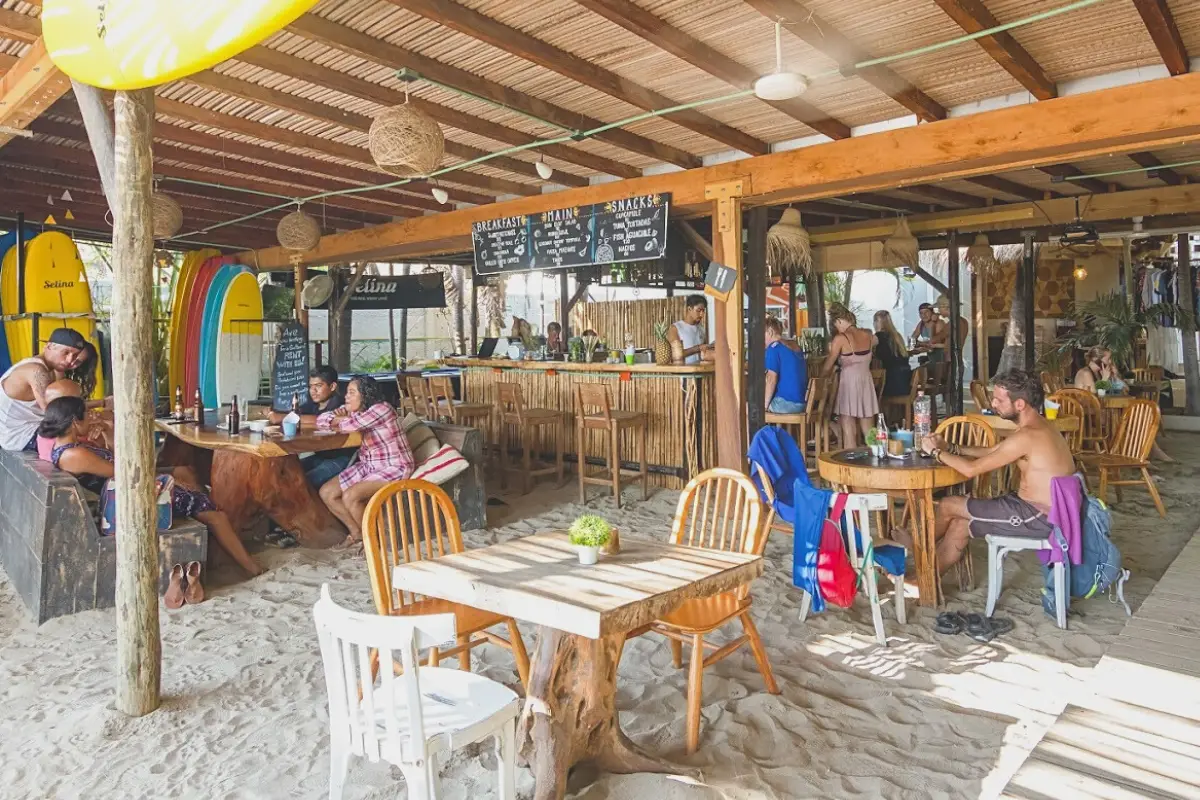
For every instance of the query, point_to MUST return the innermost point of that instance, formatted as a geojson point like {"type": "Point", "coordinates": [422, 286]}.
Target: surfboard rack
{"type": "Point", "coordinates": [38, 316]}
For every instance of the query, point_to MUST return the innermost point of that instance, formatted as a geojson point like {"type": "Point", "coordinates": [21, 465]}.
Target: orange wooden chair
{"type": "Point", "coordinates": [1069, 406]}
{"type": "Point", "coordinates": [980, 396]}
{"type": "Point", "coordinates": [513, 416]}
{"type": "Point", "coordinates": [594, 411]}
{"type": "Point", "coordinates": [904, 403]}
{"type": "Point", "coordinates": [718, 510]}
{"type": "Point", "coordinates": [410, 521]}
{"type": "Point", "coordinates": [418, 392]}
{"type": "Point", "coordinates": [1130, 450]}
{"type": "Point", "coordinates": [443, 405]}
{"type": "Point", "coordinates": [1093, 437]}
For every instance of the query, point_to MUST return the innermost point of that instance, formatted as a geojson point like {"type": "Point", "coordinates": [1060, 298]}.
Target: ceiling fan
{"type": "Point", "coordinates": [1080, 238]}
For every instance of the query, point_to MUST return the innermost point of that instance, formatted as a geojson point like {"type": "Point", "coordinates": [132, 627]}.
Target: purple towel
{"type": "Point", "coordinates": [1066, 513]}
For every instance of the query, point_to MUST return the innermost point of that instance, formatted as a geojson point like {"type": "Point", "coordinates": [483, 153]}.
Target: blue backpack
{"type": "Point", "coordinates": [1100, 565]}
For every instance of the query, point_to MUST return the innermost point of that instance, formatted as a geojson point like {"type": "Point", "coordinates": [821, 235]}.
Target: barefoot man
{"type": "Point", "coordinates": [1035, 446]}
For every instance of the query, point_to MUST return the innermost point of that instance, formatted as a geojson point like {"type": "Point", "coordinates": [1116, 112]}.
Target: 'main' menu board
{"type": "Point", "coordinates": [632, 229]}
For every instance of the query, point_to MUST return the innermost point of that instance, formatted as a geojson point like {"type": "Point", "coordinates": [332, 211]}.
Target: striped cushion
{"type": "Point", "coordinates": [420, 438]}
{"type": "Point", "coordinates": [441, 466]}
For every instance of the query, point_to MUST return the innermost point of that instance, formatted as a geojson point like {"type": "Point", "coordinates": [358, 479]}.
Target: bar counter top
{"type": "Point", "coordinates": [567, 366]}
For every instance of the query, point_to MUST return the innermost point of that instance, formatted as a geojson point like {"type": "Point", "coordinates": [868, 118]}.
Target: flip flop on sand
{"type": "Point", "coordinates": [173, 597]}
{"type": "Point", "coordinates": [195, 591]}
{"type": "Point", "coordinates": [949, 623]}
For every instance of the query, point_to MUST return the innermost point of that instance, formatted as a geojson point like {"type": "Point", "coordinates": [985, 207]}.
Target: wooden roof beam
{"type": "Point", "coordinates": [1003, 185]}
{"type": "Point", "coordinates": [323, 112]}
{"type": "Point", "coordinates": [1064, 171]}
{"type": "Point", "coordinates": [943, 195]}
{"type": "Point", "coordinates": [378, 51]}
{"type": "Point", "coordinates": [291, 66]}
{"type": "Point", "coordinates": [22, 27]}
{"type": "Point", "coordinates": [637, 20]}
{"type": "Point", "coordinates": [1164, 174]}
{"type": "Point", "coordinates": [972, 16]}
{"type": "Point", "coordinates": [824, 37]}
{"type": "Point", "coordinates": [1156, 15]}
{"type": "Point", "coordinates": [316, 144]}
{"type": "Point", "coordinates": [30, 87]}
{"type": "Point", "coordinates": [894, 203]}
{"type": "Point", "coordinates": [485, 29]}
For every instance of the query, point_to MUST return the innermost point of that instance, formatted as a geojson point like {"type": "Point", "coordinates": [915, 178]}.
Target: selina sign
{"type": "Point", "coordinates": [425, 290]}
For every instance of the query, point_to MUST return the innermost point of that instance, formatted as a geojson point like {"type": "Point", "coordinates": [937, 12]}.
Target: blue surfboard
{"type": "Point", "coordinates": [210, 332]}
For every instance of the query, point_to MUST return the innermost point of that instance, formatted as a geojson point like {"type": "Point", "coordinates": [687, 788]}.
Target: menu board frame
{"type": "Point", "coordinates": [281, 395]}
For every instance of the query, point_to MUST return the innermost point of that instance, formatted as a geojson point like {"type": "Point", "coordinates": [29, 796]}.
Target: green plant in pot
{"type": "Point", "coordinates": [1103, 387]}
{"type": "Point", "coordinates": [589, 533]}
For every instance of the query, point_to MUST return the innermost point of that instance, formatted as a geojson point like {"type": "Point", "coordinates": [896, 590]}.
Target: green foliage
{"type": "Point", "coordinates": [278, 302]}
{"type": "Point", "coordinates": [1110, 321]}
{"type": "Point", "coordinates": [590, 530]}
{"type": "Point", "coordinates": [381, 364]}
{"type": "Point", "coordinates": [1102, 384]}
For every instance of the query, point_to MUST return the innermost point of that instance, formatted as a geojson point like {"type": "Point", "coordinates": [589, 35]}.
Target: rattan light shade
{"type": "Point", "coordinates": [298, 231]}
{"type": "Point", "coordinates": [166, 214]}
{"type": "Point", "coordinates": [901, 248]}
{"type": "Point", "coordinates": [981, 259]}
{"type": "Point", "coordinates": [788, 249]}
{"type": "Point", "coordinates": [406, 142]}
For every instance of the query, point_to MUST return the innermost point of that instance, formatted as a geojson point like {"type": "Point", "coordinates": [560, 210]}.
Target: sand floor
{"type": "Point", "coordinates": [244, 710]}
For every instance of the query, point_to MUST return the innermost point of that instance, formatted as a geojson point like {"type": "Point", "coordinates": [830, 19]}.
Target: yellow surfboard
{"type": "Point", "coordinates": [178, 324]}
{"type": "Point", "coordinates": [55, 283]}
{"type": "Point", "coordinates": [131, 44]}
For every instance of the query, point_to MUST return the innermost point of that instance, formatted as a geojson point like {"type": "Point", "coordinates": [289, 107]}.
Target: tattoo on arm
{"type": "Point", "coordinates": [39, 381]}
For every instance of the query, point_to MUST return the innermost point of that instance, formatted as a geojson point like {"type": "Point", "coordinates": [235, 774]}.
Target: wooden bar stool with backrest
{"type": "Point", "coordinates": [822, 433]}
{"type": "Point", "coordinates": [418, 391]}
{"type": "Point", "coordinates": [415, 520]}
{"type": "Point", "coordinates": [1130, 450]}
{"type": "Point", "coordinates": [971, 430]}
{"type": "Point", "coordinates": [904, 404]}
{"type": "Point", "coordinates": [718, 510]}
{"type": "Point", "coordinates": [612, 422]}
{"type": "Point", "coordinates": [1093, 438]}
{"type": "Point", "coordinates": [441, 398]}
{"type": "Point", "coordinates": [797, 424]}
{"type": "Point", "coordinates": [527, 422]}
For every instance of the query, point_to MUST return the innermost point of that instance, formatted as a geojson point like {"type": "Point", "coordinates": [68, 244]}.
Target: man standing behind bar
{"type": "Point", "coordinates": [323, 396]}
{"type": "Point", "coordinates": [687, 336]}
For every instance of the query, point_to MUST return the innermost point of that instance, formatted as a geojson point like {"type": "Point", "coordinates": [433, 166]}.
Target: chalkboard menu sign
{"type": "Point", "coordinates": [632, 229]}
{"type": "Point", "coordinates": [290, 375]}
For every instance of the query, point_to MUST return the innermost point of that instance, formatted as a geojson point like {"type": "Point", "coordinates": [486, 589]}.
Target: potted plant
{"type": "Point", "coordinates": [589, 533]}
{"type": "Point", "coordinates": [877, 449]}
{"type": "Point", "coordinates": [1102, 387]}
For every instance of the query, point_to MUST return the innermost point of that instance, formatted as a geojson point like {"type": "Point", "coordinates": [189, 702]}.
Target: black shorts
{"type": "Point", "coordinates": [1008, 515]}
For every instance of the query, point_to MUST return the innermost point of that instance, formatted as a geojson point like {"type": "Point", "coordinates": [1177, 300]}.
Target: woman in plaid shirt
{"type": "Point", "coordinates": [384, 456]}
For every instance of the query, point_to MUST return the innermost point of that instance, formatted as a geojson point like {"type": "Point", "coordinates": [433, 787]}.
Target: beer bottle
{"type": "Point", "coordinates": [198, 406]}
{"type": "Point", "coordinates": [235, 418]}
{"type": "Point", "coordinates": [178, 403]}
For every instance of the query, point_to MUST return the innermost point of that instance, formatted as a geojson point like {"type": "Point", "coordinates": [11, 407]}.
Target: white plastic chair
{"type": "Point", "coordinates": [861, 506]}
{"type": "Point", "coordinates": [1000, 546]}
{"type": "Point", "coordinates": [410, 719]}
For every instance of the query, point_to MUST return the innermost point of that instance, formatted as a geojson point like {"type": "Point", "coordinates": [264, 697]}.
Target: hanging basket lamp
{"type": "Point", "coordinates": [406, 142]}
{"type": "Point", "coordinates": [900, 249]}
{"type": "Point", "coordinates": [788, 246]}
{"type": "Point", "coordinates": [166, 214]}
{"type": "Point", "coordinates": [298, 231]}
{"type": "Point", "coordinates": [981, 259]}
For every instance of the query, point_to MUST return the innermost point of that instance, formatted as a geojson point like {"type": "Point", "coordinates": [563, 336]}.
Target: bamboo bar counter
{"type": "Point", "coordinates": [681, 440]}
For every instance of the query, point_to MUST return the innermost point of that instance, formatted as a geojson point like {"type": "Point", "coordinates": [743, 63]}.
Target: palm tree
{"type": "Point", "coordinates": [1109, 321]}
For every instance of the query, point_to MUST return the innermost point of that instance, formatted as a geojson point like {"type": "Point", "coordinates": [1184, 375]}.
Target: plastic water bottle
{"type": "Point", "coordinates": [922, 413]}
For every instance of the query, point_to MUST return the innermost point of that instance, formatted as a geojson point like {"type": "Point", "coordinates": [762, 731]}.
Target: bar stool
{"type": "Point", "coordinates": [511, 411]}
{"type": "Point", "coordinates": [418, 393]}
{"type": "Point", "coordinates": [612, 421]}
{"type": "Point", "coordinates": [406, 402]}
{"type": "Point", "coordinates": [797, 423]}
{"type": "Point", "coordinates": [441, 397]}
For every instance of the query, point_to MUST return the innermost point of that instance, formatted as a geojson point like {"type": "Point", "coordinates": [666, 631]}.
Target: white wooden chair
{"type": "Point", "coordinates": [413, 718]}
{"type": "Point", "coordinates": [999, 547]}
{"type": "Point", "coordinates": [859, 507]}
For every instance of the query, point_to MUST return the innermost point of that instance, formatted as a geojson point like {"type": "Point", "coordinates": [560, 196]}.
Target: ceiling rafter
{"type": "Point", "coordinates": [31, 86]}
{"type": "Point", "coordinates": [822, 36]}
{"type": "Point", "coordinates": [1093, 185]}
{"type": "Point", "coordinates": [973, 16]}
{"type": "Point", "coordinates": [378, 51]}
{"type": "Point", "coordinates": [1006, 186]}
{"type": "Point", "coordinates": [294, 67]}
{"type": "Point", "coordinates": [520, 44]}
{"type": "Point", "coordinates": [943, 195]}
{"type": "Point", "coordinates": [1152, 162]}
{"type": "Point", "coordinates": [658, 32]}
{"type": "Point", "coordinates": [1156, 15]}
{"type": "Point", "coordinates": [22, 27]}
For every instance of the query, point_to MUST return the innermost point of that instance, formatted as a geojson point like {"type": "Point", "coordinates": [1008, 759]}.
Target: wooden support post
{"type": "Point", "coordinates": [955, 356]}
{"type": "Point", "coordinates": [99, 126]}
{"type": "Point", "coordinates": [1029, 273]}
{"type": "Point", "coordinates": [979, 309]}
{"type": "Point", "coordinates": [1127, 268]}
{"type": "Point", "coordinates": [404, 270]}
{"type": "Point", "coordinates": [791, 294]}
{"type": "Point", "coordinates": [392, 323]}
{"type": "Point", "coordinates": [301, 275]}
{"type": "Point", "coordinates": [756, 290]}
{"type": "Point", "coordinates": [139, 649]}
{"type": "Point", "coordinates": [564, 306]}
{"type": "Point", "coordinates": [475, 317]}
{"type": "Point", "coordinates": [1187, 299]}
{"type": "Point", "coordinates": [727, 325]}
{"type": "Point", "coordinates": [815, 292]}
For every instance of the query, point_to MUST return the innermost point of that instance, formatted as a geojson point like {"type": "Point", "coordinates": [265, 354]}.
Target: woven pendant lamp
{"type": "Point", "coordinates": [406, 142]}
{"type": "Point", "coordinates": [166, 214]}
{"type": "Point", "coordinates": [981, 259]}
{"type": "Point", "coordinates": [298, 231]}
{"type": "Point", "coordinates": [900, 249]}
{"type": "Point", "coordinates": [788, 247]}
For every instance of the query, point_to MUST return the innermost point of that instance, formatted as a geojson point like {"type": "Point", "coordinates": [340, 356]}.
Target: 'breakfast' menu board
{"type": "Point", "coordinates": [630, 229]}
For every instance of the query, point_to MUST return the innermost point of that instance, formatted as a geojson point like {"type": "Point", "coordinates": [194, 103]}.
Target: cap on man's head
{"type": "Point", "coordinates": [68, 338]}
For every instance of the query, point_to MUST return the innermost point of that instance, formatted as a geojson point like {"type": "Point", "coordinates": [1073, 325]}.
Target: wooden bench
{"type": "Point", "coordinates": [51, 549]}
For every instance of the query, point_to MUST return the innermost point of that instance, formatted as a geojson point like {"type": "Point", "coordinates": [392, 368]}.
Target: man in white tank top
{"type": "Point", "coordinates": [689, 333]}
{"type": "Point", "coordinates": [23, 388]}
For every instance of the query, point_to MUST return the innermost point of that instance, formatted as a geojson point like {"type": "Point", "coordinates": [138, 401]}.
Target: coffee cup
{"type": "Point", "coordinates": [290, 428]}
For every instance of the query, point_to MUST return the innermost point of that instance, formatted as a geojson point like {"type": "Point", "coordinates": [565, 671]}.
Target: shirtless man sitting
{"type": "Point", "coordinates": [1035, 446]}
{"type": "Point", "coordinates": [23, 388]}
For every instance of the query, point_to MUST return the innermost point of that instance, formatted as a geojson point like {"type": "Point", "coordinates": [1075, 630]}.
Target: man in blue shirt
{"type": "Point", "coordinates": [323, 395]}
{"type": "Point", "coordinates": [787, 372]}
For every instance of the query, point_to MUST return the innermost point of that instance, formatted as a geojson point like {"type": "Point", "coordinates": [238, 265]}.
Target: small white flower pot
{"type": "Point", "coordinates": [877, 450]}
{"type": "Point", "coordinates": [1102, 392]}
{"type": "Point", "coordinates": [587, 555]}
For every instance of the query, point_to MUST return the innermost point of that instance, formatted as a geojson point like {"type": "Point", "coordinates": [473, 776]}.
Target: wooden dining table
{"type": "Point", "coordinates": [914, 478]}
{"type": "Point", "coordinates": [583, 614]}
{"type": "Point", "coordinates": [256, 474]}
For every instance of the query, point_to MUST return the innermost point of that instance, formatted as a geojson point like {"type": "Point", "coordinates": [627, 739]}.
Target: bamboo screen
{"type": "Point", "coordinates": [613, 319]}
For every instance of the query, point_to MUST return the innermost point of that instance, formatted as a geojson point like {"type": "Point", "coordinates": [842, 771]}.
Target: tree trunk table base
{"type": "Point", "coordinates": [570, 713]}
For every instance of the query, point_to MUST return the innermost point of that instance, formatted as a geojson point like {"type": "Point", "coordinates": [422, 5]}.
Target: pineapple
{"type": "Point", "coordinates": [662, 348]}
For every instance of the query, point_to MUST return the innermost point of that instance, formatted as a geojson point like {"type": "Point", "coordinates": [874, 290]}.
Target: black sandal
{"type": "Point", "coordinates": [948, 623]}
{"type": "Point", "coordinates": [980, 628]}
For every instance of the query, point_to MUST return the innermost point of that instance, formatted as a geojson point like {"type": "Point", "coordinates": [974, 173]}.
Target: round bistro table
{"type": "Point", "coordinates": [914, 477]}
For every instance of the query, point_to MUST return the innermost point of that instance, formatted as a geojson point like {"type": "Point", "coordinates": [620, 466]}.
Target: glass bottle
{"type": "Point", "coordinates": [922, 414]}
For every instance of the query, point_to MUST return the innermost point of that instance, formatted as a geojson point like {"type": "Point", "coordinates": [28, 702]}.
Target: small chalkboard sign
{"type": "Point", "coordinates": [719, 280]}
{"type": "Point", "coordinates": [290, 376]}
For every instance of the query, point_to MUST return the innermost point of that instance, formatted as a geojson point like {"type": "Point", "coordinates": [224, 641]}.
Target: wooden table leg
{"type": "Point", "coordinates": [925, 553]}
{"type": "Point", "coordinates": [570, 713]}
{"type": "Point", "coordinates": [244, 486]}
